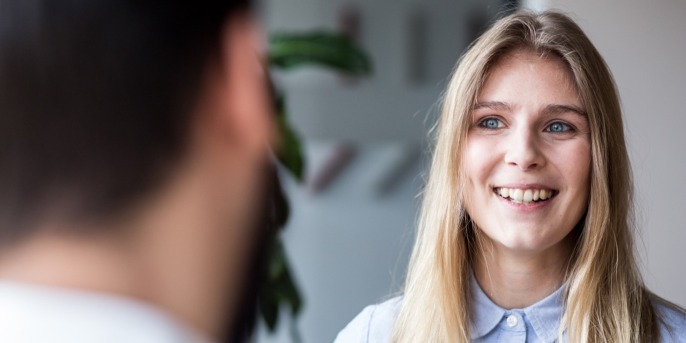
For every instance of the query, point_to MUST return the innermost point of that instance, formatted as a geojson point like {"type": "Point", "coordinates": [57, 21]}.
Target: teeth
{"type": "Point", "coordinates": [518, 195]}
{"type": "Point", "coordinates": [524, 196]}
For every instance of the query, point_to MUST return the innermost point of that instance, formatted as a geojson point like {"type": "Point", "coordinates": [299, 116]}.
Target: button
{"type": "Point", "coordinates": [512, 320]}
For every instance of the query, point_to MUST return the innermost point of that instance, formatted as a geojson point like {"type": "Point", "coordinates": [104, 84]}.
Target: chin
{"type": "Point", "coordinates": [527, 247]}
{"type": "Point", "coordinates": [523, 239]}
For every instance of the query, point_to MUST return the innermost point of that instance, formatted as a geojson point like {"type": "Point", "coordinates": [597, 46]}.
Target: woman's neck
{"type": "Point", "coordinates": [515, 279]}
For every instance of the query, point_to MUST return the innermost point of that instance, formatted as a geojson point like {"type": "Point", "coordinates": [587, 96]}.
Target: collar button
{"type": "Point", "coordinates": [512, 320]}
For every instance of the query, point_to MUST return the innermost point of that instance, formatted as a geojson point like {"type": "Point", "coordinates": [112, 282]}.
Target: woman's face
{"type": "Point", "coordinates": [527, 157]}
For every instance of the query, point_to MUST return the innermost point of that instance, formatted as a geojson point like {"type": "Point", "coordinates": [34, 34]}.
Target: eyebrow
{"type": "Point", "coordinates": [548, 110]}
{"type": "Point", "coordinates": [494, 105]}
{"type": "Point", "coordinates": [557, 109]}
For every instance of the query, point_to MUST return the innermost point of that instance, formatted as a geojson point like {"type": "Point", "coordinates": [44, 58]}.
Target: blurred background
{"type": "Point", "coordinates": [366, 140]}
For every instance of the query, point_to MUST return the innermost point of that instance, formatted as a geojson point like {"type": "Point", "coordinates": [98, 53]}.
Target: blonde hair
{"type": "Point", "coordinates": [605, 298]}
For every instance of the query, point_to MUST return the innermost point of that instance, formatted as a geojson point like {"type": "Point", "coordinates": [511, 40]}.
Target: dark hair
{"type": "Point", "coordinates": [95, 98]}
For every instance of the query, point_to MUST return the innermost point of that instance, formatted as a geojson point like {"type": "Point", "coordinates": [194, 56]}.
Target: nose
{"type": "Point", "coordinates": [523, 150]}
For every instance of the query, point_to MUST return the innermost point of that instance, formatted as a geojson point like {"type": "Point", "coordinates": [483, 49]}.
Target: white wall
{"type": "Point", "coordinates": [644, 43]}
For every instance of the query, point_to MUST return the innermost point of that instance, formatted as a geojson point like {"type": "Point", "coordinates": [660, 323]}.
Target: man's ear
{"type": "Point", "coordinates": [245, 100]}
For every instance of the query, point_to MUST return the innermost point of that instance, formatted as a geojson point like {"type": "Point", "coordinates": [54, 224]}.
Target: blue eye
{"type": "Point", "coordinates": [491, 123]}
{"type": "Point", "coordinates": [558, 127]}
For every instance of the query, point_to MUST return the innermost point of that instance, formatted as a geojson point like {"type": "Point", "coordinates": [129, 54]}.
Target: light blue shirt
{"type": "Point", "coordinates": [538, 323]}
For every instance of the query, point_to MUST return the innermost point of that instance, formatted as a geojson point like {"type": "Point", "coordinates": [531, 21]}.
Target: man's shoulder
{"type": "Point", "coordinates": [671, 321]}
{"type": "Point", "coordinates": [37, 314]}
{"type": "Point", "coordinates": [374, 324]}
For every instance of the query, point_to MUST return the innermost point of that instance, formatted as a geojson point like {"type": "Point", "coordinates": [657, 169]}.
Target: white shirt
{"type": "Point", "coordinates": [40, 314]}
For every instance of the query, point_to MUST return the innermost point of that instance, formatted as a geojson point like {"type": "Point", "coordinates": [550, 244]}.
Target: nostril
{"type": "Point", "coordinates": [524, 150]}
{"type": "Point", "coordinates": [525, 159]}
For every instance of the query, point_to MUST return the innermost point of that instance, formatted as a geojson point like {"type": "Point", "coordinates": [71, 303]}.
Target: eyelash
{"type": "Point", "coordinates": [566, 128]}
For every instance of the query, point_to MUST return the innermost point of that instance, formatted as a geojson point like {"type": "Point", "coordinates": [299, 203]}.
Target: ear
{"type": "Point", "coordinates": [246, 103]}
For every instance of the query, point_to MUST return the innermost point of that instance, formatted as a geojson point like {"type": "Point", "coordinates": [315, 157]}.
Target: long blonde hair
{"type": "Point", "coordinates": [605, 298]}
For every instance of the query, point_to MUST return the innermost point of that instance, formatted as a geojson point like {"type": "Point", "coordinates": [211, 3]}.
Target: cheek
{"type": "Point", "coordinates": [478, 161]}
{"type": "Point", "coordinates": [479, 157]}
{"type": "Point", "coordinates": [576, 163]}
{"type": "Point", "coordinates": [574, 166]}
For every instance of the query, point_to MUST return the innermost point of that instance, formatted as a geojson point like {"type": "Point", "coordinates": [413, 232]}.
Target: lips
{"type": "Point", "coordinates": [525, 196]}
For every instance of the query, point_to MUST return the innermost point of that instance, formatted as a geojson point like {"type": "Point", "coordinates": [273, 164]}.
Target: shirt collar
{"type": "Point", "coordinates": [543, 316]}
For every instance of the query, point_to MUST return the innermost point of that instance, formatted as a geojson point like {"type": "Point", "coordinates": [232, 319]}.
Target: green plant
{"type": "Point", "coordinates": [288, 51]}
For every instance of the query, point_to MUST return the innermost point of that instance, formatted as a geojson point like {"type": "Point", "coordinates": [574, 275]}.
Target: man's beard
{"type": "Point", "coordinates": [272, 214]}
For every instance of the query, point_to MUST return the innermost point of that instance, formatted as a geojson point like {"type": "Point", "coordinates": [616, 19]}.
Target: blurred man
{"type": "Point", "coordinates": [132, 139]}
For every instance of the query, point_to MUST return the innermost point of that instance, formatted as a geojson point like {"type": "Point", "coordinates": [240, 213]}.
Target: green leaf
{"type": "Point", "coordinates": [333, 50]}
{"type": "Point", "coordinates": [290, 152]}
{"type": "Point", "coordinates": [290, 51]}
{"type": "Point", "coordinates": [278, 287]}
{"type": "Point", "coordinates": [270, 312]}
{"type": "Point", "coordinates": [291, 294]}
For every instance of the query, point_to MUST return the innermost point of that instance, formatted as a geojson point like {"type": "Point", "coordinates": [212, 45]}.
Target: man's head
{"type": "Point", "coordinates": [96, 101]}
{"type": "Point", "coordinates": [143, 124]}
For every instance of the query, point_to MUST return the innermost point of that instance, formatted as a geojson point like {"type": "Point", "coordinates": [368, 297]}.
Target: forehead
{"type": "Point", "coordinates": [526, 78]}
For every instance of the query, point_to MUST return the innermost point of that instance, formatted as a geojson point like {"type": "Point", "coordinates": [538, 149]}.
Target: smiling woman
{"type": "Point", "coordinates": [525, 232]}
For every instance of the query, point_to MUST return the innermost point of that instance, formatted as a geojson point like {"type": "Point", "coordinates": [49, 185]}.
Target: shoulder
{"type": "Point", "coordinates": [36, 314]}
{"type": "Point", "coordinates": [373, 325]}
{"type": "Point", "coordinates": [671, 321]}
